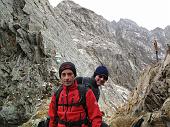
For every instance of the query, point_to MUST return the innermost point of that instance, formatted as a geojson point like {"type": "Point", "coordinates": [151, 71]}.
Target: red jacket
{"type": "Point", "coordinates": [74, 113]}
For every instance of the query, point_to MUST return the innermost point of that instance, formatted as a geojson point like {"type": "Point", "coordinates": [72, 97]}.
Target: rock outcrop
{"type": "Point", "coordinates": [150, 100]}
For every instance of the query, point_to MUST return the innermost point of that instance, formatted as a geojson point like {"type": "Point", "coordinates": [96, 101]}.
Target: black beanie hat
{"type": "Point", "coordinates": [67, 65]}
{"type": "Point", "coordinates": [101, 70]}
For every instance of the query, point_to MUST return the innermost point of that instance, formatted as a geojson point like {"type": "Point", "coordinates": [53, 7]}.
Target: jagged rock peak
{"type": "Point", "coordinates": [69, 4]}
{"type": "Point", "coordinates": [84, 19]}
{"type": "Point", "coordinates": [167, 27]}
{"type": "Point", "coordinates": [167, 31]}
{"type": "Point", "coordinates": [157, 29]}
{"type": "Point", "coordinates": [127, 22]}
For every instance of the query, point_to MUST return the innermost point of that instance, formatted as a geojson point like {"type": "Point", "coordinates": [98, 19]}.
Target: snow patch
{"type": "Point", "coordinates": [132, 65]}
{"type": "Point", "coordinates": [75, 39]}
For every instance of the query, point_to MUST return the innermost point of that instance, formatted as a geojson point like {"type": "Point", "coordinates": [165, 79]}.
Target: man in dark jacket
{"type": "Point", "coordinates": [99, 78]}
{"type": "Point", "coordinates": [68, 112]}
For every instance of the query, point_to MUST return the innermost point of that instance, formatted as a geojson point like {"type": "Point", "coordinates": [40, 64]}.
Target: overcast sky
{"type": "Point", "coordinates": [146, 13]}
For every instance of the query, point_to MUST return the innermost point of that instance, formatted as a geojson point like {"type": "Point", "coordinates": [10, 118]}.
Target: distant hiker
{"type": "Point", "coordinates": [73, 105]}
{"type": "Point", "coordinates": [168, 49]}
{"type": "Point", "coordinates": [155, 44]}
{"type": "Point", "coordinates": [99, 78]}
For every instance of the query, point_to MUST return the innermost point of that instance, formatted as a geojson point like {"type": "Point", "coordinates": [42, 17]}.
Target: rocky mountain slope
{"type": "Point", "coordinates": [149, 103]}
{"type": "Point", "coordinates": [35, 38]}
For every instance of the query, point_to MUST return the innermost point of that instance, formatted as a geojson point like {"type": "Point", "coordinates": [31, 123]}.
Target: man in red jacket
{"type": "Point", "coordinates": [68, 113]}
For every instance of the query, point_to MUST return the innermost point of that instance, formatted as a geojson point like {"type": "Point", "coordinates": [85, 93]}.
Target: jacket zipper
{"type": "Point", "coordinates": [66, 103]}
{"type": "Point", "coordinates": [72, 103]}
{"type": "Point", "coordinates": [63, 101]}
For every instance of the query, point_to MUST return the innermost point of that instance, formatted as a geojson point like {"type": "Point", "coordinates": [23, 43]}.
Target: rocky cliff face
{"type": "Point", "coordinates": [23, 61]}
{"type": "Point", "coordinates": [35, 38]}
{"type": "Point", "coordinates": [149, 102]}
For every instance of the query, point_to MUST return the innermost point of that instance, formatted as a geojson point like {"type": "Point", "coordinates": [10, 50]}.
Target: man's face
{"type": "Point", "coordinates": [100, 79]}
{"type": "Point", "coordinates": [67, 77]}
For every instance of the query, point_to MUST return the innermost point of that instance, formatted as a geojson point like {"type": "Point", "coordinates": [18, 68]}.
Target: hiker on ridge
{"type": "Point", "coordinates": [155, 44]}
{"type": "Point", "coordinates": [73, 105]}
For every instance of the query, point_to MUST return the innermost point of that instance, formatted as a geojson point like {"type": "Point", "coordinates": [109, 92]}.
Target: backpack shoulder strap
{"type": "Point", "coordinates": [82, 93]}
{"type": "Point", "coordinates": [90, 83]}
{"type": "Point", "coordinates": [57, 94]}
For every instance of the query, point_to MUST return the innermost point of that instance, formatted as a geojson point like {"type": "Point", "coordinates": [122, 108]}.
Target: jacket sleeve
{"type": "Point", "coordinates": [94, 113]}
{"type": "Point", "coordinates": [52, 112]}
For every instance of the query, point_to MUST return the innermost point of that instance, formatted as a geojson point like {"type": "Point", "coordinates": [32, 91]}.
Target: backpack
{"type": "Point", "coordinates": [86, 81]}
{"type": "Point", "coordinates": [82, 93]}
{"type": "Point", "coordinates": [90, 83]}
